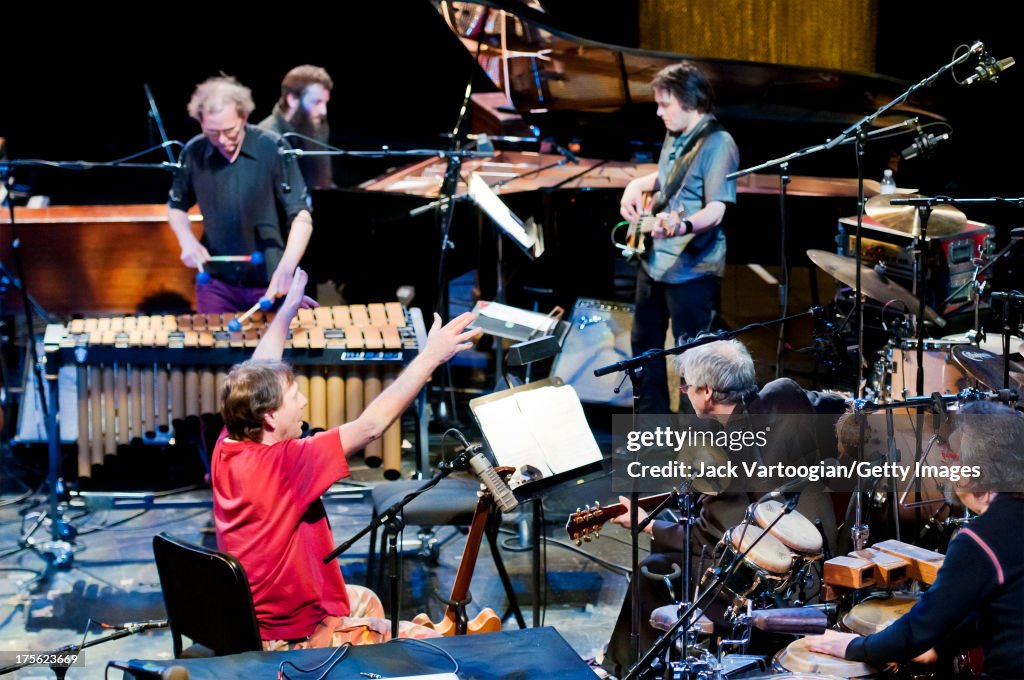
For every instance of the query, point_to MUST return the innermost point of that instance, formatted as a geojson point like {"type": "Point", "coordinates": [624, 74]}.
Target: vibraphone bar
{"type": "Point", "coordinates": [139, 375]}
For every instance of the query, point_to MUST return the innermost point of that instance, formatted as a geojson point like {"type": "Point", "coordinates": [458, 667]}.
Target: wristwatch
{"type": "Point", "coordinates": [689, 227]}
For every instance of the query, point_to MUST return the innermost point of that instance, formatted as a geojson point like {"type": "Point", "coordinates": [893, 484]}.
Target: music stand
{"type": "Point", "coordinates": [527, 235]}
{"type": "Point", "coordinates": [540, 430]}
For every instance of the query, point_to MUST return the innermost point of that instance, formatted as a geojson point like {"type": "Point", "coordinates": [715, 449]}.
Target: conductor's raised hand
{"type": "Point", "coordinates": [445, 341]}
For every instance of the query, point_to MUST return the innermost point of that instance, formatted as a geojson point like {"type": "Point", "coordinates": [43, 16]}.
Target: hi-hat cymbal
{"type": "Point", "coordinates": [945, 219]}
{"type": "Point", "coordinates": [987, 367]}
{"type": "Point", "coordinates": [872, 284]}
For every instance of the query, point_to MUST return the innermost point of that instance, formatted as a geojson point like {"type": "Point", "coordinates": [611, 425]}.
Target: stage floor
{"type": "Point", "coordinates": [113, 578]}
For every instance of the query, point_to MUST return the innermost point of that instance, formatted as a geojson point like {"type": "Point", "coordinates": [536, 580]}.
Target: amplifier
{"type": "Point", "coordinates": [598, 335]}
{"type": "Point", "coordinates": [949, 259]}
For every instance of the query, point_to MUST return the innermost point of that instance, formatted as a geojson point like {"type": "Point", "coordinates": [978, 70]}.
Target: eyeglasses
{"type": "Point", "coordinates": [231, 134]}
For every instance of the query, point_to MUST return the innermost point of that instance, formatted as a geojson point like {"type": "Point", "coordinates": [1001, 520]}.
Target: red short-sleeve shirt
{"type": "Point", "coordinates": [268, 513]}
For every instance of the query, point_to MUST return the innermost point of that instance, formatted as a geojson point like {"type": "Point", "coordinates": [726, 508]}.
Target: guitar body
{"type": "Point", "coordinates": [484, 622]}
{"type": "Point", "coordinates": [638, 236]}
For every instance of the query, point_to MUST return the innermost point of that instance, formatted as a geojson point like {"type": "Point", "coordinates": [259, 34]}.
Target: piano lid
{"type": "Point", "coordinates": [549, 69]}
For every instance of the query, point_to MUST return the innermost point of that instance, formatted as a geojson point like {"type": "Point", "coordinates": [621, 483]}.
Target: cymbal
{"type": "Point", "coordinates": [874, 285]}
{"type": "Point", "coordinates": [987, 367]}
{"type": "Point", "coordinates": [944, 220]}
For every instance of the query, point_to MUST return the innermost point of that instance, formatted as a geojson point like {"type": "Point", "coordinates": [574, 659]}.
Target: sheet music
{"type": "Point", "coordinates": [542, 323]}
{"type": "Point", "coordinates": [543, 427]}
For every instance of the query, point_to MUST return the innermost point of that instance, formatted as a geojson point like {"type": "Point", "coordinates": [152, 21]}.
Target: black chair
{"type": "Point", "coordinates": [208, 600]}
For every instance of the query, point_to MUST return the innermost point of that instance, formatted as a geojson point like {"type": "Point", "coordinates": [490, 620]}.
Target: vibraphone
{"type": "Point", "coordinates": [139, 375]}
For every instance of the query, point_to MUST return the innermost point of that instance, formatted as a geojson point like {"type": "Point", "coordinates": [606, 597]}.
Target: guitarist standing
{"type": "Point", "coordinates": [680, 273]}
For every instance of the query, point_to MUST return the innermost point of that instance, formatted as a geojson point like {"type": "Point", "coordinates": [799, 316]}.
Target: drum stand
{"type": "Point", "coordinates": [647, 662]}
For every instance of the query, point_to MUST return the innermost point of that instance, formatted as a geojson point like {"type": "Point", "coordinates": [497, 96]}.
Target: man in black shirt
{"type": "Point", "coordinates": [245, 187]}
{"type": "Point", "coordinates": [978, 594]}
{"type": "Point", "coordinates": [302, 109]}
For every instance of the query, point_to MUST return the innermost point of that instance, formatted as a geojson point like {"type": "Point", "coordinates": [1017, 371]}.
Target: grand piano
{"type": "Point", "coordinates": [560, 91]}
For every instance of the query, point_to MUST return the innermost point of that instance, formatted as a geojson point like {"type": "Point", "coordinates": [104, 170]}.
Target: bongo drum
{"type": "Point", "coordinates": [794, 530]}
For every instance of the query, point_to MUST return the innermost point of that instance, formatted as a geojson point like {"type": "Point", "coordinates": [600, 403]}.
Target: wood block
{"type": "Point", "coordinates": [306, 318]}
{"type": "Point", "coordinates": [91, 325]}
{"type": "Point", "coordinates": [77, 326]}
{"type": "Point", "coordinates": [849, 572]}
{"type": "Point", "coordinates": [191, 339]}
{"type": "Point", "coordinates": [889, 568]}
{"type": "Point", "coordinates": [300, 339]}
{"type": "Point", "coordinates": [923, 564]}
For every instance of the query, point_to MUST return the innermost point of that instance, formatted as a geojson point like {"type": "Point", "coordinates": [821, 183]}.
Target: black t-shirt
{"type": "Point", "coordinates": [246, 205]}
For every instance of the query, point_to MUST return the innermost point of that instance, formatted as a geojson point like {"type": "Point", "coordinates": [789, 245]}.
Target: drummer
{"type": "Point", "coordinates": [720, 381]}
{"type": "Point", "coordinates": [978, 594]}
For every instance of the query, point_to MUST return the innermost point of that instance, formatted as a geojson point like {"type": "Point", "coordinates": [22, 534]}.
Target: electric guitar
{"type": "Point", "coordinates": [638, 234]}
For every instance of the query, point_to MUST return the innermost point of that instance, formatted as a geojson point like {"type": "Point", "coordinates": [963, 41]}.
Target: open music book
{"type": "Point", "coordinates": [538, 428]}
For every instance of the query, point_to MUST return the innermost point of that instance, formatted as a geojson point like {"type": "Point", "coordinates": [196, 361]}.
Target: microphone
{"type": "Point", "coordinates": [487, 475]}
{"type": "Point", "coordinates": [787, 498]}
{"type": "Point", "coordinates": [923, 145]}
{"type": "Point", "coordinates": [138, 626]}
{"type": "Point", "coordinates": [989, 69]}
{"type": "Point", "coordinates": [148, 669]}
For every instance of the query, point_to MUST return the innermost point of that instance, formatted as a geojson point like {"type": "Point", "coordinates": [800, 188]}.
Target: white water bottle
{"type": "Point", "coordinates": [888, 184]}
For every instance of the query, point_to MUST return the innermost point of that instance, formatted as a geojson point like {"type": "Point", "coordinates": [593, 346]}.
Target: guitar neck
{"type": "Point", "coordinates": [648, 503]}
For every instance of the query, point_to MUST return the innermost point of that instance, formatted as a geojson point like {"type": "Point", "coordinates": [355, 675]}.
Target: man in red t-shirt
{"type": "Point", "coordinates": [267, 485]}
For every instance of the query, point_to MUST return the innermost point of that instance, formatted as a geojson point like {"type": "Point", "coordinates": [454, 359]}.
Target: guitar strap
{"type": "Point", "coordinates": [687, 154]}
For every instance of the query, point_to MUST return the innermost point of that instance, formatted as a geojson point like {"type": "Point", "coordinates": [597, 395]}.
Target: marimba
{"type": "Point", "coordinates": [139, 375]}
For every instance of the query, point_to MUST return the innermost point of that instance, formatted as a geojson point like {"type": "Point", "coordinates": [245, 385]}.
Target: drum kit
{"type": "Point", "coordinates": [758, 568]}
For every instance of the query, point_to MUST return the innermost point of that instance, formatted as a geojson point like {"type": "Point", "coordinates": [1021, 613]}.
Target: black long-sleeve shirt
{"type": "Point", "coordinates": [980, 584]}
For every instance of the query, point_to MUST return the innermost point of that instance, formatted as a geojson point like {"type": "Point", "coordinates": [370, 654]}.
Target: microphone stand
{"type": "Point", "coordinates": [857, 133]}
{"type": "Point", "coordinates": [391, 520]}
{"type": "Point", "coordinates": [652, 354]}
{"type": "Point", "coordinates": [644, 665]}
{"type": "Point", "coordinates": [71, 652]}
{"type": "Point", "coordinates": [59, 551]}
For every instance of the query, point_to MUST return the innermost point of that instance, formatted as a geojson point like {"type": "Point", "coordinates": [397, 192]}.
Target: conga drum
{"type": "Point", "coordinates": [798, 658]}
